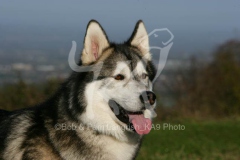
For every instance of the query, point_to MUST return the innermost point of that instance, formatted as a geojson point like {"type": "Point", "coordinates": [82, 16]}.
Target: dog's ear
{"type": "Point", "coordinates": [139, 39]}
{"type": "Point", "coordinates": [94, 43]}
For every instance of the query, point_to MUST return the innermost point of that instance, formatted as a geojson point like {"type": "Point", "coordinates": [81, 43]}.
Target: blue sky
{"type": "Point", "coordinates": [196, 25]}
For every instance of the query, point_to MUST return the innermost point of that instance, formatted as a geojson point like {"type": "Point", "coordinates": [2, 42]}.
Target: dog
{"type": "Point", "coordinates": [100, 114]}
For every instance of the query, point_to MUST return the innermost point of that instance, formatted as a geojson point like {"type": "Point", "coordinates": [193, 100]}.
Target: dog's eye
{"type": "Point", "coordinates": [119, 77]}
{"type": "Point", "coordinates": [144, 76]}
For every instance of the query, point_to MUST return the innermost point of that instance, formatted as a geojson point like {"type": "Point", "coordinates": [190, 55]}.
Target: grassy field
{"type": "Point", "coordinates": [215, 140]}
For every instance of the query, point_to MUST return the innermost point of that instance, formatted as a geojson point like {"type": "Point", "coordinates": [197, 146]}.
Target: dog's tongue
{"type": "Point", "coordinates": [141, 124]}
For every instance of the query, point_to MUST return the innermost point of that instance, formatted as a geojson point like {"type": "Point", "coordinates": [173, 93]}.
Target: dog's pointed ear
{"type": "Point", "coordinates": [139, 39]}
{"type": "Point", "coordinates": [94, 43]}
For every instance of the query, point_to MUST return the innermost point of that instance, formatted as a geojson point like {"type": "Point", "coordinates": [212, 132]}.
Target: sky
{"type": "Point", "coordinates": [197, 26]}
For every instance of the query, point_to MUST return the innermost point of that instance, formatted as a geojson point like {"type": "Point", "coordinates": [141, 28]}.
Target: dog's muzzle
{"type": "Point", "coordinates": [135, 120]}
{"type": "Point", "coordinates": [148, 97]}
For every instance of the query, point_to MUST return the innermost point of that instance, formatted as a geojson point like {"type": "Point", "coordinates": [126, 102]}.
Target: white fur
{"type": "Point", "coordinates": [114, 141]}
{"type": "Point", "coordinates": [126, 92]}
{"type": "Point", "coordinates": [118, 150]}
{"type": "Point", "coordinates": [95, 41]}
{"type": "Point", "coordinates": [99, 115]}
{"type": "Point", "coordinates": [141, 41]}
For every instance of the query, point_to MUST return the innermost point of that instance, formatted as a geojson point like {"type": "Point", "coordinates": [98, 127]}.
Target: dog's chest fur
{"type": "Point", "coordinates": [109, 148]}
{"type": "Point", "coordinates": [99, 147]}
{"type": "Point", "coordinates": [73, 145]}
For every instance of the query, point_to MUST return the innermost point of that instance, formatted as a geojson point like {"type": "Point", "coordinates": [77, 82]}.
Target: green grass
{"type": "Point", "coordinates": [216, 140]}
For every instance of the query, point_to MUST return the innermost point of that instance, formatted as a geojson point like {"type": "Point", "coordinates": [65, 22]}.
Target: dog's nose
{"type": "Point", "coordinates": [148, 96]}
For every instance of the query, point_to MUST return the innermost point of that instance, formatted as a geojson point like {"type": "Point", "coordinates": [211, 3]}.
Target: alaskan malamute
{"type": "Point", "coordinates": [100, 114]}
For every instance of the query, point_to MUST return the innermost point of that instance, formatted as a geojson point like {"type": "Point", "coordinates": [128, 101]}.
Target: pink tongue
{"type": "Point", "coordinates": [141, 124]}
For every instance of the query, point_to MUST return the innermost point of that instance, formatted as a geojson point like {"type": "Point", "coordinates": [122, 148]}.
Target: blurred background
{"type": "Point", "coordinates": [199, 87]}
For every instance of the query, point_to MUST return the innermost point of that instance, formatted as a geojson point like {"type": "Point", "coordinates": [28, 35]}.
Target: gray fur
{"type": "Point", "coordinates": [81, 105]}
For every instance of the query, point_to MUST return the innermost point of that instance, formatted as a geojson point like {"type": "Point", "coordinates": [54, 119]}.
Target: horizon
{"type": "Point", "coordinates": [197, 27]}
{"type": "Point", "coordinates": [40, 34]}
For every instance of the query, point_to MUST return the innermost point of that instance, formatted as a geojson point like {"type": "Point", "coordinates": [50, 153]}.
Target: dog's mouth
{"type": "Point", "coordinates": [134, 120]}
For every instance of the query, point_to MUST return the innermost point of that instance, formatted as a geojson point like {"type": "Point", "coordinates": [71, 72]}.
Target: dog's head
{"type": "Point", "coordinates": [120, 94]}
